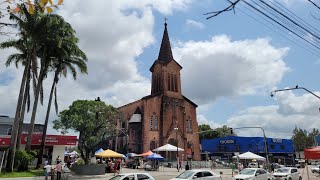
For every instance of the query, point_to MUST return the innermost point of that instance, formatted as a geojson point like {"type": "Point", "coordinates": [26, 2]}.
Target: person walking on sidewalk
{"type": "Point", "coordinates": [59, 170]}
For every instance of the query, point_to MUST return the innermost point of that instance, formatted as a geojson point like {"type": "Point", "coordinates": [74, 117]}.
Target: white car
{"type": "Point", "coordinates": [253, 174]}
{"type": "Point", "coordinates": [199, 174]}
{"type": "Point", "coordinates": [133, 176]}
{"type": "Point", "coordinates": [287, 173]}
{"type": "Point", "coordinates": [315, 169]}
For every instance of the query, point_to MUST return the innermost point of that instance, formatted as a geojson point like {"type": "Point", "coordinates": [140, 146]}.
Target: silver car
{"type": "Point", "coordinates": [253, 174]}
{"type": "Point", "coordinates": [287, 173]}
{"type": "Point", "coordinates": [199, 174]}
{"type": "Point", "coordinates": [133, 176]}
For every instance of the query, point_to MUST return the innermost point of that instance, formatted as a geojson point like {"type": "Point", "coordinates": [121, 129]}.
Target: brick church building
{"type": "Point", "coordinates": [164, 116]}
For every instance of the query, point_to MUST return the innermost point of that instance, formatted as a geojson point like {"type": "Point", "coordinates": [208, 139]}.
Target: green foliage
{"type": "Point", "coordinates": [303, 139]}
{"type": "Point", "coordinates": [206, 132]}
{"type": "Point", "coordinates": [80, 162]}
{"type": "Point", "coordinates": [94, 120]}
{"type": "Point", "coordinates": [22, 160]}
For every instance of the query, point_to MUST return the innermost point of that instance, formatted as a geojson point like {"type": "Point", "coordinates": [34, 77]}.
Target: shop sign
{"type": "Point", "coordinates": [37, 138]}
{"type": "Point", "coordinates": [276, 140]}
{"type": "Point", "coordinates": [230, 141]}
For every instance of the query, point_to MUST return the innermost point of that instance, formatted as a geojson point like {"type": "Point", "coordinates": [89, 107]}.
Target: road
{"type": "Point", "coordinates": [166, 174]}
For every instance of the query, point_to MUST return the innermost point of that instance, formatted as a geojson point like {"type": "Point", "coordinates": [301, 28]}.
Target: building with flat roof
{"type": "Point", "coordinates": [279, 150]}
{"type": "Point", "coordinates": [55, 145]}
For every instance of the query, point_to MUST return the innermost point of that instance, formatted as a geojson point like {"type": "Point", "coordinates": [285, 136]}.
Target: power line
{"type": "Point", "coordinates": [282, 32]}
{"type": "Point", "coordinates": [280, 24]}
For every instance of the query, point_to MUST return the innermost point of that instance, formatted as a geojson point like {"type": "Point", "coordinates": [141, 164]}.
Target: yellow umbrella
{"type": "Point", "coordinates": [108, 154]}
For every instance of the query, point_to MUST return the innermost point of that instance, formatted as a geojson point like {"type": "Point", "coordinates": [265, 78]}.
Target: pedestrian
{"type": "Point", "coordinates": [59, 170]}
{"type": "Point", "coordinates": [187, 166]}
{"type": "Point", "coordinates": [115, 168]}
{"type": "Point", "coordinates": [47, 171]}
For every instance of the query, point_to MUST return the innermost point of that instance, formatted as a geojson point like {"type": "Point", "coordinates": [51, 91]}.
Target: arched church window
{"type": "Point", "coordinates": [159, 82]}
{"type": "Point", "coordinates": [168, 82]}
{"type": "Point", "coordinates": [151, 123]}
{"type": "Point", "coordinates": [172, 82]}
{"type": "Point", "coordinates": [190, 125]}
{"type": "Point", "coordinates": [187, 125]}
{"type": "Point", "coordinates": [155, 122]}
{"type": "Point", "coordinates": [175, 83]}
{"type": "Point", "coordinates": [153, 145]}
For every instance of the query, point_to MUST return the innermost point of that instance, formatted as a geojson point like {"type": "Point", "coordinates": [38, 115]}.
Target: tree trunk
{"type": "Point", "coordinates": [44, 132]}
{"type": "Point", "coordinates": [34, 109]}
{"type": "Point", "coordinates": [15, 127]}
{"type": "Point", "coordinates": [23, 110]}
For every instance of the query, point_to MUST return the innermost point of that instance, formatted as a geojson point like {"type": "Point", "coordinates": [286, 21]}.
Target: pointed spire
{"type": "Point", "coordinates": [165, 53]}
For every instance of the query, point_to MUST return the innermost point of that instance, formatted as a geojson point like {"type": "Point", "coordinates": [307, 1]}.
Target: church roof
{"type": "Point", "coordinates": [165, 53]}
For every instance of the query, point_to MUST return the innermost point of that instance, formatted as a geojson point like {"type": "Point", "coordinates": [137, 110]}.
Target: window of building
{"type": "Point", "coordinates": [153, 145]}
{"type": "Point", "coordinates": [171, 81]}
{"type": "Point", "coordinates": [190, 125]}
{"type": "Point", "coordinates": [282, 146]}
{"type": "Point", "coordinates": [155, 122]}
{"type": "Point", "coordinates": [175, 83]}
{"type": "Point", "coordinates": [187, 125]}
{"type": "Point", "coordinates": [159, 82]}
{"type": "Point", "coordinates": [151, 123]}
{"type": "Point", "coordinates": [168, 82]}
{"type": "Point", "coordinates": [272, 146]}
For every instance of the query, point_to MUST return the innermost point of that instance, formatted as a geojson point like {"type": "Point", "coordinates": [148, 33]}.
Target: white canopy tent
{"type": "Point", "coordinates": [168, 147]}
{"type": "Point", "coordinates": [250, 156]}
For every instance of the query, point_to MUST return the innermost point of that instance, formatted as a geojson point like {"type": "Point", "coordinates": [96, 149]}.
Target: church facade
{"type": "Point", "coordinates": [164, 116]}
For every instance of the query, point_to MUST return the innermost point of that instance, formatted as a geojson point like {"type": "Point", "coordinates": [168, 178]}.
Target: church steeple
{"type": "Point", "coordinates": [165, 54]}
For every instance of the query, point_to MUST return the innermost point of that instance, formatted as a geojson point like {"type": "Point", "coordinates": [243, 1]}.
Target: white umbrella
{"type": "Point", "coordinates": [168, 147]}
{"type": "Point", "coordinates": [250, 155]}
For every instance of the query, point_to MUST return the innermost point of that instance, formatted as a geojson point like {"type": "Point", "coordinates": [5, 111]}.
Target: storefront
{"type": "Point", "coordinates": [279, 150]}
{"type": "Point", "coordinates": [55, 145]}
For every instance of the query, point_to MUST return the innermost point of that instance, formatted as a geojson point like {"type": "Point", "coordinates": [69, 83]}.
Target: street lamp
{"type": "Point", "coordinates": [176, 129]}
{"type": "Point", "coordinates": [297, 87]}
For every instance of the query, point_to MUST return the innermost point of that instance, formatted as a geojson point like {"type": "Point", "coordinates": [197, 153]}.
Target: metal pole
{"type": "Point", "coordinates": [297, 87]}
{"type": "Point", "coordinates": [266, 149]}
{"type": "Point", "coordinates": [176, 129]}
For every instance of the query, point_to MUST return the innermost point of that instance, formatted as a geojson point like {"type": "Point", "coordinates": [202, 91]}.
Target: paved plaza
{"type": "Point", "coordinates": [167, 173]}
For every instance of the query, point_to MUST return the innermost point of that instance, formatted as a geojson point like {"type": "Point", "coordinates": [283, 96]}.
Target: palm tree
{"type": "Point", "coordinates": [65, 57]}
{"type": "Point", "coordinates": [26, 23]}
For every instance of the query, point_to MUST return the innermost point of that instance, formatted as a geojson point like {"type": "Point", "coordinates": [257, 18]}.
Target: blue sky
{"type": "Point", "coordinates": [230, 63]}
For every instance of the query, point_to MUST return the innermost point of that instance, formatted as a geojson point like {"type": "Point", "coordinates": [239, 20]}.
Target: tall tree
{"type": "Point", "coordinates": [27, 25]}
{"type": "Point", "coordinates": [303, 139]}
{"type": "Point", "coordinates": [94, 120]}
{"type": "Point", "coordinates": [64, 58]}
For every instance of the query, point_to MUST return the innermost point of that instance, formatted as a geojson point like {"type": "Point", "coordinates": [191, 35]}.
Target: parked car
{"type": "Point", "coordinates": [198, 174]}
{"type": "Point", "coordinates": [132, 176]}
{"type": "Point", "coordinates": [277, 166]}
{"type": "Point", "coordinates": [253, 174]}
{"type": "Point", "coordinates": [287, 173]}
{"type": "Point", "coordinates": [315, 169]}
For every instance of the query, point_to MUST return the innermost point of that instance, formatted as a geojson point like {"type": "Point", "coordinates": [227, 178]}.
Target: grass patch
{"type": "Point", "coordinates": [30, 173]}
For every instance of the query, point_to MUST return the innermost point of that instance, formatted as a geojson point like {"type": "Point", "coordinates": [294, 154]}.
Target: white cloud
{"type": "Point", "coordinates": [221, 67]}
{"type": "Point", "coordinates": [279, 120]}
{"type": "Point", "coordinates": [194, 24]}
{"type": "Point", "coordinates": [112, 34]}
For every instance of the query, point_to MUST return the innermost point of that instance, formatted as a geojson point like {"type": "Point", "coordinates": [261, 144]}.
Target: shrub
{"type": "Point", "coordinates": [22, 160]}
{"type": "Point", "coordinates": [80, 162]}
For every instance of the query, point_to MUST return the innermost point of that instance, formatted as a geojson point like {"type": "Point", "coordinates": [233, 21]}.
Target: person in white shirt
{"type": "Point", "coordinates": [47, 171]}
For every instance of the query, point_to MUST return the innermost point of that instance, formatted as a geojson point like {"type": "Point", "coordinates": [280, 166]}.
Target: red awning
{"type": "Point", "coordinates": [312, 153]}
{"type": "Point", "coordinates": [36, 140]}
